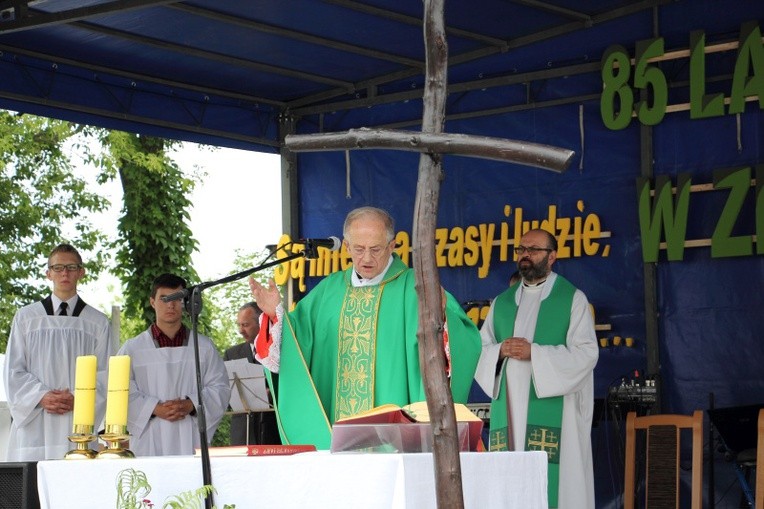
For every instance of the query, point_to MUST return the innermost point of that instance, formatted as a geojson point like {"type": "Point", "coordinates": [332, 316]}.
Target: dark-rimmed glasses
{"type": "Point", "coordinates": [60, 267]}
{"type": "Point", "coordinates": [531, 250]}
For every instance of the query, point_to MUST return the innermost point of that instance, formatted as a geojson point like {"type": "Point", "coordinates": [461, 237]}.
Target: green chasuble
{"type": "Point", "coordinates": [346, 349]}
{"type": "Point", "coordinates": [543, 430]}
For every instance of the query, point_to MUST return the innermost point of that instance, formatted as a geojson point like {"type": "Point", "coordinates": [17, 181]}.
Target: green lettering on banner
{"type": "Point", "coordinates": [649, 77]}
{"type": "Point", "coordinates": [723, 244]}
{"type": "Point", "coordinates": [663, 215]}
{"type": "Point", "coordinates": [750, 58]}
{"type": "Point", "coordinates": [702, 105]}
{"type": "Point", "coordinates": [617, 102]}
{"type": "Point", "coordinates": [616, 69]}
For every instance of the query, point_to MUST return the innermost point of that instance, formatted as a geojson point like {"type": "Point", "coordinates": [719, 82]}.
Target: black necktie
{"type": "Point", "coordinates": [62, 309]}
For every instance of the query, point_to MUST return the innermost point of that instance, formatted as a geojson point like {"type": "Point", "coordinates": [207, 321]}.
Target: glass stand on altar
{"type": "Point", "coordinates": [390, 438]}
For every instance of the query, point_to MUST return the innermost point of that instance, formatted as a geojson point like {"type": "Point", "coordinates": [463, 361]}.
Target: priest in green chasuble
{"type": "Point", "coordinates": [351, 344]}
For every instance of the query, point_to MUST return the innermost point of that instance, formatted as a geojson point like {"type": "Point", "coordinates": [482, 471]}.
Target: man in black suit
{"type": "Point", "coordinates": [262, 425]}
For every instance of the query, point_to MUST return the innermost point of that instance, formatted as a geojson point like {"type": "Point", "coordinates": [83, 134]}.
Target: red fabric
{"type": "Point", "coordinates": [165, 341]}
{"type": "Point", "coordinates": [447, 350]}
{"type": "Point", "coordinates": [264, 339]}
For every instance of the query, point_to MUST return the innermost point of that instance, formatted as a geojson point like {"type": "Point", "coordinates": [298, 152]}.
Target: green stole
{"type": "Point", "coordinates": [356, 351]}
{"type": "Point", "coordinates": [544, 425]}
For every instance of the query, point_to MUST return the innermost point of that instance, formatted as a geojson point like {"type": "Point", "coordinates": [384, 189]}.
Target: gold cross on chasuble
{"type": "Point", "coordinates": [498, 440]}
{"type": "Point", "coordinates": [356, 351]}
{"type": "Point", "coordinates": [545, 439]}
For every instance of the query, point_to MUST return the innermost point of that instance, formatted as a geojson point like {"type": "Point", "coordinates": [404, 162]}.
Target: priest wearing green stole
{"type": "Point", "coordinates": [350, 344]}
{"type": "Point", "coordinates": [537, 363]}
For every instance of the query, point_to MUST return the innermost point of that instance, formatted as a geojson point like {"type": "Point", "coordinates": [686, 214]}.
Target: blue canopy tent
{"type": "Point", "coordinates": [245, 74]}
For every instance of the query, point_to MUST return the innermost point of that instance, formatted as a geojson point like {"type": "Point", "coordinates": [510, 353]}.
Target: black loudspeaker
{"type": "Point", "coordinates": [18, 486]}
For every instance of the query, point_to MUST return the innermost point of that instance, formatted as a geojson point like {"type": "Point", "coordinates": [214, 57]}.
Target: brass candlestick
{"type": "Point", "coordinates": [82, 436]}
{"type": "Point", "coordinates": [114, 436]}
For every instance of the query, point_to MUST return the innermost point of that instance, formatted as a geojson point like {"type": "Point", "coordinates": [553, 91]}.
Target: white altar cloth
{"type": "Point", "coordinates": [315, 479]}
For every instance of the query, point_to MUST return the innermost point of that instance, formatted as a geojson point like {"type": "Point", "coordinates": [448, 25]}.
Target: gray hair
{"type": "Point", "coordinates": [254, 307]}
{"type": "Point", "coordinates": [375, 212]}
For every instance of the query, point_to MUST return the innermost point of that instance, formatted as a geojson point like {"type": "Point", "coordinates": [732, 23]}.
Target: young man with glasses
{"type": "Point", "coordinates": [539, 353]}
{"type": "Point", "coordinates": [46, 339]}
{"type": "Point", "coordinates": [350, 344]}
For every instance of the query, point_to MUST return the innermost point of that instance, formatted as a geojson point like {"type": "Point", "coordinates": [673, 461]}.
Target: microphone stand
{"type": "Point", "coordinates": [193, 303]}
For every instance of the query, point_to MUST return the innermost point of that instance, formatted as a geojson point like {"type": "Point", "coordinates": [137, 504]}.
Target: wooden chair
{"type": "Point", "coordinates": [663, 447]}
{"type": "Point", "coordinates": [760, 463]}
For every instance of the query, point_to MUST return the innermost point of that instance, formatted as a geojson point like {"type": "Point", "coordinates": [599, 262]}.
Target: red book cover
{"type": "Point", "coordinates": [258, 450]}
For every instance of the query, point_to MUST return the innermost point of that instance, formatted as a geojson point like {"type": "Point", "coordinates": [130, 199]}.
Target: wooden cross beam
{"type": "Point", "coordinates": [499, 149]}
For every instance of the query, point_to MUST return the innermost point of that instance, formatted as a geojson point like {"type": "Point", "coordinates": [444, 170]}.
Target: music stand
{"type": "Point", "coordinates": [248, 391]}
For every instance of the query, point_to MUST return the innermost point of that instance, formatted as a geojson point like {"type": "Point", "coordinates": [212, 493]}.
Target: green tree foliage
{"type": "Point", "coordinates": [225, 300]}
{"type": "Point", "coordinates": [154, 236]}
{"type": "Point", "coordinates": [42, 203]}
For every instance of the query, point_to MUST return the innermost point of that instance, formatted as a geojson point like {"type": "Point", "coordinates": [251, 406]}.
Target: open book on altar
{"type": "Point", "coordinates": [390, 428]}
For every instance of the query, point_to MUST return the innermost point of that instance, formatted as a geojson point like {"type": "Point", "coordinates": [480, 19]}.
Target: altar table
{"type": "Point", "coordinates": [314, 479]}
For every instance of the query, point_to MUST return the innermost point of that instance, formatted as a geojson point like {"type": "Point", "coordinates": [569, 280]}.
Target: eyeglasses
{"type": "Point", "coordinates": [60, 267]}
{"type": "Point", "coordinates": [375, 251]}
{"type": "Point", "coordinates": [531, 250]}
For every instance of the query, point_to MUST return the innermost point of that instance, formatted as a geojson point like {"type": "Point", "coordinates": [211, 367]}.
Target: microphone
{"type": "Point", "coordinates": [332, 243]}
{"type": "Point", "coordinates": [175, 296]}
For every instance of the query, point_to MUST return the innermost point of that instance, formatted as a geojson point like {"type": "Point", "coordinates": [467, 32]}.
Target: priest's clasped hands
{"type": "Point", "coordinates": [516, 348]}
{"type": "Point", "coordinates": [58, 401]}
{"type": "Point", "coordinates": [174, 409]}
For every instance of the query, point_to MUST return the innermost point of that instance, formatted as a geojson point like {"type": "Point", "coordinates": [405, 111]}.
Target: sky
{"type": "Point", "coordinates": [236, 206]}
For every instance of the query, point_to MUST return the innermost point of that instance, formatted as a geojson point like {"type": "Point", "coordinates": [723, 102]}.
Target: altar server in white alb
{"type": "Point", "coordinates": [161, 416]}
{"type": "Point", "coordinates": [537, 363]}
{"type": "Point", "coordinates": [40, 362]}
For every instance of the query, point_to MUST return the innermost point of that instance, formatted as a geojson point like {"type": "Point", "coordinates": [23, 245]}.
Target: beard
{"type": "Point", "coordinates": [533, 272]}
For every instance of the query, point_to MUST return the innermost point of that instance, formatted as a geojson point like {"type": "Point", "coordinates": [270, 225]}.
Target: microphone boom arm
{"type": "Point", "coordinates": [193, 305]}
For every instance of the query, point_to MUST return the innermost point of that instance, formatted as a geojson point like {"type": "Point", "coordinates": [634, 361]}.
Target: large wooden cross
{"type": "Point", "coordinates": [432, 143]}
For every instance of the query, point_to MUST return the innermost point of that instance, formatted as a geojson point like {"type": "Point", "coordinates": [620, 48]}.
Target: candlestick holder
{"type": "Point", "coordinates": [81, 436]}
{"type": "Point", "coordinates": [114, 436]}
